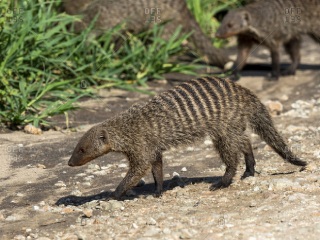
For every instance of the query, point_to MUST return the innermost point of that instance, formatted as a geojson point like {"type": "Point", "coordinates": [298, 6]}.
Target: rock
{"type": "Point", "coordinates": [19, 237]}
{"type": "Point", "coordinates": [100, 173]}
{"type": "Point", "coordinates": [20, 194]}
{"type": "Point", "coordinates": [316, 154]}
{"type": "Point", "coordinates": [284, 183]}
{"type": "Point", "coordinates": [151, 221]}
{"type": "Point", "coordinates": [190, 149]}
{"type": "Point", "coordinates": [135, 226]}
{"type": "Point", "coordinates": [167, 175]}
{"type": "Point", "coordinates": [32, 129]}
{"type": "Point", "coordinates": [175, 174]}
{"type": "Point", "coordinates": [93, 167]}
{"type": "Point", "coordinates": [116, 204]}
{"type": "Point", "coordinates": [106, 206]}
{"type": "Point", "coordinates": [311, 167]}
{"type": "Point", "coordinates": [274, 107]}
{"type": "Point", "coordinates": [184, 169]}
{"type": "Point", "coordinates": [86, 184]}
{"type": "Point", "coordinates": [228, 65]}
{"type": "Point", "coordinates": [122, 165]}
{"type": "Point", "coordinates": [166, 231]}
{"type": "Point", "coordinates": [208, 142]}
{"type": "Point", "coordinates": [69, 236]}
{"type": "Point", "coordinates": [151, 231]}
{"type": "Point", "coordinates": [76, 193]}
{"type": "Point", "coordinates": [41, 166]}
{"type": "Point", "coordinates": [36, 208]}
{"type": "Point", "coordinates": [187, 234]}
{"type": "Point", "coordinates": [87, 212]}
{"type": "Point", "coordinates": [256, 189]}
{"type": "Point", "coordinates": [2, 217]}
{"type": "Point", "coordinates": [60, 184]}
{"type": "Point", "coordinates": [14, 217]}
{"type": "Point", "coordinates": [284, 97]}
{"type": "Point", "coordinates": [66, 210]}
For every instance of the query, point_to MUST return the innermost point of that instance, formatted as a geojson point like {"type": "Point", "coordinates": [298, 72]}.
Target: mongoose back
{"type": "Point", "coordinates": [272, 23]}
{"type": "Point", "coordinates": [202, 107]}
{"type": "Point", "coordinates": [139, 15]}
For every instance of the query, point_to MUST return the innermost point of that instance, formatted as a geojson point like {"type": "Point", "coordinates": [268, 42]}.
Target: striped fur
{"type": "Point", "coordinates": [208, 106]}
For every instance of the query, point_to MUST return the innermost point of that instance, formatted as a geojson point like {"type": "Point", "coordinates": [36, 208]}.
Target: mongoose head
{"type": "Point", "coordinates": [235, 22]}
{"type": "Point", "coordinates": [93, 144]}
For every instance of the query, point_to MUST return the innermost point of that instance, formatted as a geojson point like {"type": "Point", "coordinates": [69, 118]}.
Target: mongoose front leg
{"type": "Point", "coordinates": [157, 172]}
{"type": "Point", "coordinates": [293, 49]}
{"type": "Point", "coordinates": [136, 171]}
{"type": "Point", "coordinates": [275, 58]}
{"type": "Point", "coordinates": [244, 46]}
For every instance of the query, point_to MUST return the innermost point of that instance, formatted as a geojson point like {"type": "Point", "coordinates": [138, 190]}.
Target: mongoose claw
{"type": "Point", "coordinates": [217, 185]}
{"type": "Point", "coordinates": [247, 174]}
{"type": "Point", "coordinates": [157, 194]}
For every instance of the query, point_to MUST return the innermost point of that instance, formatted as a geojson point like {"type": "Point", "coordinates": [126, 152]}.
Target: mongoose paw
{"type": "Point", "coordinates": [247, 174]}
{"type": "Point", "coordinates": [157, 194]}
{"type": "Point", "coordinates": [273, 77]}
{"type": "Point", "coordinates": [216, 186]}
{"type": "Point", "coordinates": [288, 72]}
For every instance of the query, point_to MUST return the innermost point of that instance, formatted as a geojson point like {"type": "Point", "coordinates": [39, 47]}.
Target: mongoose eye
{"type": "Point", "coordinates": [102, 137]}
{"type": "Point", "coordinates": [81, 150]}
{"type": "Point", "coordinates": [230, 25]}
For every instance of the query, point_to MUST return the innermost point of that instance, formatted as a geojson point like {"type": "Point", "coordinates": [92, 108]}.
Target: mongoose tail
{"type": "Point", "coordinates": [261, 122]}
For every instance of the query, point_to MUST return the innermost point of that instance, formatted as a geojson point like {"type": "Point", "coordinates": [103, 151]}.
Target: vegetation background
{"type": "Point", "coordinates": [45, 68]}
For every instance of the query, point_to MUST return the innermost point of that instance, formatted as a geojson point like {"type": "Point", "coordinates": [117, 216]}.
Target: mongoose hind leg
{"type": "Point", "coordinates": [157, 172]}
{"type": "Point", "coordinates": [293, 49]}
{"type": "Point", "coordinates": [249, 158]}
{"type": "Point", "coordinates": [229, 155]}
{"type": "Point", "coordinates": [138, 168]}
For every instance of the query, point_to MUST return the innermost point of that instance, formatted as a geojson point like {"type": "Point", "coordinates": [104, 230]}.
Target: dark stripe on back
{"type": "Point", "coordinates": [211, 95]}
{"type": "Point", "coordinates": [187, 102]}
{"type": "Point", "coordinates": [204, 95]}
{"type": "Point", "coordinates": [180, 105]}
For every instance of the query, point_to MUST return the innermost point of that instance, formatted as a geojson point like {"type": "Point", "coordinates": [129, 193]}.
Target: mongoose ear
{"type": "Point", "coordinates": [246, 18]}
{"type": "Point", "coordinates": [103, 136]}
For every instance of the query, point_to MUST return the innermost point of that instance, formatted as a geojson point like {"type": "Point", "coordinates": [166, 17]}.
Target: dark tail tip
{"type": "Point", "coordinates": [298, 162]}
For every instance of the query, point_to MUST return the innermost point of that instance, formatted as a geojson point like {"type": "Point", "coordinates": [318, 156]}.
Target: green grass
{"type": "Point", "coordinates": [44, 65]}
{"type": "Point", "coordinates": [45, 68]}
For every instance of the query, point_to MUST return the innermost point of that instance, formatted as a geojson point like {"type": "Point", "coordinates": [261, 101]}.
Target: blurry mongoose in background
{"type": "Point", "coordinates": [272, 23]}
{"type": "Point", "coordinates": [140, 15]}
{"type": "Point", "coordinates": [209, 106]}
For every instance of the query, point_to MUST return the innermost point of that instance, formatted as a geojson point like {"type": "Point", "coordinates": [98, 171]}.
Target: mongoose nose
{"type": "Point", "coordinates": [70, 164]}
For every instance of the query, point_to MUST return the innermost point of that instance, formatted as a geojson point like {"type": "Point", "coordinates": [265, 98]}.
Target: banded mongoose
{"type": "Point", "coordinates": [272, 23]}
{"type": "Point", "coordinates": [187, 113]}
{"type": "Point", "coordinates": [139, 15]}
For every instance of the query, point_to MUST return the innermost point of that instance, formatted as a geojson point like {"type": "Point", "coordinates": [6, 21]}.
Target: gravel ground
{"type": "Point", "coordinates": [42, 198]}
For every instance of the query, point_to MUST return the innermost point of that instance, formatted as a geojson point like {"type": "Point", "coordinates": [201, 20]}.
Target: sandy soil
{"type": "Point", "coordinates": [42, 198]}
